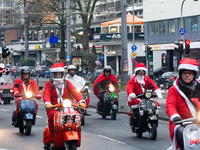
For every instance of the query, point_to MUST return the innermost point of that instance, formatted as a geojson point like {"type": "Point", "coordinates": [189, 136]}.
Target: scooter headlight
{"type": "Point", "coordinates": [148, 94]}
{"type": "Point", "coordinates": [67, 103]}
{"type": "Point", "coordinates": [29, 94]}
{"type": "Point", "coordinates": [111, 88]}
{"type": "Point", "coordinates": [78, 90]}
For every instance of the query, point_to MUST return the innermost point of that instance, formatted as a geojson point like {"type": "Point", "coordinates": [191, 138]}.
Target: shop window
{"type": "Point", "coordinates": [171, 26]}
{"type": "Point", "coordinates": [105, 30]}
{"type": "Point", "coordinates": [18, 35]}
{"type": "Point", "coordinates": [114, 29]}
{"type": "Point", "coordinates": [137, 29]}
{"type": "Point", "coordinates": [52, 33]}
{"type": "Point", "coordinates": [30, 35]}
{"type": "Point", "coordinates": [46, 33]}
{"type": "Point", "coordinates": [35, 35]}
{"type": "Point", "coordinates": [58, 33]}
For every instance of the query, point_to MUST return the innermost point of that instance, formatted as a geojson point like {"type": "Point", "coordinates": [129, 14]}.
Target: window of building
{"type": "Point", "coordinates": [18, 35]}
{"type": "Point", "coordinates": [187, 24]}
{"type": "Point", "coordinates": [46, 33]}
{"type": "Point", "coordinates": [150, 27]}
{"type": "Point", "coordinates": [114, 29]}
{"type": "Point", "coordinates": [58, 33]}
{"type": "Point", "coordinates": [105, 30]}
{"type": "Point", "coordinates": [52, 33]}
{"type": "Point", "coordinates": [30, 35]}
{"type": "Point", "coordinates": [135, 1]}
{"type": "Point", "coordinates": [137, 29]}
{"type": "Point", "coordinates": [194, 23]}
{"type": "Point", "coordinates": [2, 37]}
{"type": "Point", "coordinates": [171, 26]}
{"type": "Point", "coordinates": [162, 27]}
{"type": "Point", "coordinates": [135, 13]}
{"type": "Point", "coordinates": [156, 27]}
{"type": "Point", "coordinates": [140, 12]}
{"type": "Point", "coordinates": [23, 35]}
{"type": "Point", "coordinates": [35, 35]}
{"type": "Point", "coordinates": [40, 34]}
{"type": "Point", "coordinates": [179, 24]}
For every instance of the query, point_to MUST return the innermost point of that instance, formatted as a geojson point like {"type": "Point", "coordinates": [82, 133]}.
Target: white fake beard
{"type": "Point", "coordinates": [58, 84]}
{"type": "Point", "coordinates": [140, 80]}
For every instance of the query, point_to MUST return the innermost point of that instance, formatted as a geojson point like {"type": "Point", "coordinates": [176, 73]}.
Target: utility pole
{"type": "Point", "coordinates": [68, 34]}
{"type": "Point", "coordinates": [124, 60]}
{"type": "Point", "coordinates": [26, 23]}
{"type": "Point", "coordinates": [131, 72]}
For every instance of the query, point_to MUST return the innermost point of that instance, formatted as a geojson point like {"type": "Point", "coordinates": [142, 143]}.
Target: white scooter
{"type": "Point", "coordinates": [191, 133]}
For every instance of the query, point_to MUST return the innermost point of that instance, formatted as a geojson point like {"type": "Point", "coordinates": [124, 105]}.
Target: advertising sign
{"type": "Point", "coordinates": [77, 61]}
{"type": "Point", "coordinates": [125, 65]}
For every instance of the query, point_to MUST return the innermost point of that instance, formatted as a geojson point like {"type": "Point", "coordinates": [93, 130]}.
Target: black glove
{"type": "Point", "coordinates": [176, 119]}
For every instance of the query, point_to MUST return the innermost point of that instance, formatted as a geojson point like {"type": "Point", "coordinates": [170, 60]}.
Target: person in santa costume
{"type": "Point", "coordinates": [102, 83]}
{"type": "Point", "coordinates": [137, 85]}
{"type": "Point", "coordinates": [56, 94]}
{"type": "Point", "coordinates": [180, 102]}
{"type": "Point", "coordinates": [26, 84]}
{"type": "Point", "coordinates": [77, 81]}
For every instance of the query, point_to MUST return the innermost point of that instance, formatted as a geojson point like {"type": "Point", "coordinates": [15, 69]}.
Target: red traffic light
{"type": "Point", "coordinates": [187, 42]}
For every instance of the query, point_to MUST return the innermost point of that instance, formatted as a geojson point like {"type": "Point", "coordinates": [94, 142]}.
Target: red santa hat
{"type": "Point", "coordinates": [140, 66]}
{"type": "Point", "coordinates": [188, 64]}
{"type": "Point", "coordinates": [58, 67]}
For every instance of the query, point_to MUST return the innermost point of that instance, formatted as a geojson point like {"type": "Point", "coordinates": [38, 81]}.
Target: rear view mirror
{"type": "Point", "coordinates": [1, 83]}
{"type": "Point", "coordinates": [17, 85]}
{"type": "Point", "coordinates": [40, 87]}
{"type": "Point", "coordinates": [0, 74]}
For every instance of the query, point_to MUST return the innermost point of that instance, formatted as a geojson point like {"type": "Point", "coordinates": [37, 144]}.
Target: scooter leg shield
{"type": "Point", "coordinates": [46, 135]}
{"type": "Point", "coordinates": [70, 135]}
{"type": "Point", "coordinates": [99, 106]}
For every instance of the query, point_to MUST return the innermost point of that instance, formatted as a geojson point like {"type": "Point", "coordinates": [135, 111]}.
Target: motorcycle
{"type": "Point", "coordinates": [146, 119]}
{"type": "Point", "coordinates": [85, 93]}
{"type": "Point", "coordinates": [110, 103]}
{"type": "Point", "coordinates": [191, 132]}
{"type": "Point", "coordinates": [26, 113]}
{"type": "Point", "coordinates": [67, 127]}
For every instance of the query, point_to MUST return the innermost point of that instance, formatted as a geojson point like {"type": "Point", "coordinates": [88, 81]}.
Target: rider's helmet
{"type": "Point", "coordinates": [26, 70]}
{"type": "Point", "coordinates": [188, 64]}
{"type": "Point", "coordinates": [107, 69]}
{"type": "Point", "coordinates": [140, 66]}
{"type": "Point", "coordinates": [55, 69]}
{"type": "Point", "coordinates": [71, 67]}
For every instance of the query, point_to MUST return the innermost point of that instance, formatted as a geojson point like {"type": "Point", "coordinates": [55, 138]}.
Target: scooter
{"type": "Point", "coordinates": [85, 93]}
{"type": "Point", "coordinates": [26, 113]}
{"type": "Point", "coordinates": [110, 103]}
{"type": "Point", "coordinates": [191, 132]}
{"type": "Point", "coordinates": [67, 127]}
{"type": "Point", "coordinates": [146, 118]}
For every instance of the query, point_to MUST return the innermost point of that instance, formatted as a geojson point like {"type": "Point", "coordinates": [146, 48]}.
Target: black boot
{"type": "Point", "coordinates": [13, 118]}
{"type": "Point", "coordinates": [86, 114]}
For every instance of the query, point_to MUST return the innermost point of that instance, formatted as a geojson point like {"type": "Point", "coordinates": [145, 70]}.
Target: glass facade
{"type": "Point", "coordinates": [171, 26]}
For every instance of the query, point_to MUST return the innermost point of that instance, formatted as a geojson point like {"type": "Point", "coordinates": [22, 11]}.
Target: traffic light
{"type": "Point", "coordinates": [149, 52]}
{"type": "Point", "coordinates": [5, 52]}
{"type": "Point", "coordinates": [180, 46]}
{"type": "Point", "coordinates": [187, 46]}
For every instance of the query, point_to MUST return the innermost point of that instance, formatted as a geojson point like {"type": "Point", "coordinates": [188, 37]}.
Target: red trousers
{"type": "Point", "coordinates": [87, 102]}
{"type": "Point", "coordinates": [50, 115]}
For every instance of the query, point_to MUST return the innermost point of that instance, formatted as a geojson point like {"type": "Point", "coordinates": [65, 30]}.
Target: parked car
{"type": "Point", "coordinates": [167, 79]}
{"type": "Point", "coordinates": [8, 67]}
{"type": "Point", "coordinates": [41, 71]}
{"type": "Point", "coordinates": [17, 72]}
{"type": "Point", "coordinates": [13, 68]}
{"type": "Point", "coordinates": [6, 85]}
{"type": "Point", "coordinates": [96, 73]}
{"type": "Point", "coordinates": [33, 71]}
{"type": "Point", "coordinates": [158, 72]}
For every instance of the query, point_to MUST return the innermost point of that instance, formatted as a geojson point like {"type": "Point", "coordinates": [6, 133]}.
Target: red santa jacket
{"type": "Point", "coordinates": [54, 97]}
{"type": "Point", "coordinates": [101, 78]}
{"type": "Point", "coordinates": [32, 87]}
{"type": "Point", "coordinates": [177, 104]}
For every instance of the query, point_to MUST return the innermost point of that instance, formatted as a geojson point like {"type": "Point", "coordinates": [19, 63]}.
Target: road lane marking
{"type": "Point", "coordinates": [3, 149]}
{"type": "Point", "coordinates": [39, 116]}
{"type": "Point", "coordinates": [111, 139]}
{"type": "Point", "coordinates": [4, 110]}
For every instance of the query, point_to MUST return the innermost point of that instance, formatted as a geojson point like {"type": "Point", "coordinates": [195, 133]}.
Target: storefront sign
{"type": "Point", "coordinates": [125, 65]}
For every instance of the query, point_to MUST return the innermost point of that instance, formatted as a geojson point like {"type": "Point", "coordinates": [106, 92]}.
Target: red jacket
{"type": "Point", "coordinates": [54, 97]}
{"type": "Point", "coordinates": [32, 87]}
{"type": "Point", "coordinates": [177, 104]}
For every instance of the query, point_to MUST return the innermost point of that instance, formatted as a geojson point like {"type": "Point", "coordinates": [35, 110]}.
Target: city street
{"type": "Point", "coordinates": [98, 133]}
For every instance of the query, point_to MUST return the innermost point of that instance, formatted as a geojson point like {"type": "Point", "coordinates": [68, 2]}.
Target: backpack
{"type": "Point", "coordinates": [52, 86]}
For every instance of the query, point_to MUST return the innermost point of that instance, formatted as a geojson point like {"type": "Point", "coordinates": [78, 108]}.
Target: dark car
{"type": "Point", "coordinates": [13, 68]}
{"type": "Point", "coordinates": [167, 79]}
{"type": "Point", "coordinates": [41, 71]}
{"type": "Point", "coordinates": [96, 73]}
{"type": "Point", "coordinates": [6, 88]}
{"type": "Point", "coordinates": [17, 72]}
{"type": "Point", "coordinates": [33, 71]}
{"type": "Point", "coordinates": [158, 72]}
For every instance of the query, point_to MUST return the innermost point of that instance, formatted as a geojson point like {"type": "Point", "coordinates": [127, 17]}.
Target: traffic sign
{"type": "Point", "coordinates": [134, 54]}
{"type": "Point", "coordinates": [101, 57]}
{"type": "Point", "coordinates": [164, 57]}
{"type": "Point", "coordinates": [134, 47]}
{"type": "Point", "coordinates": [67, 56]}
{"type": "Point", "coordinates": [182, 31]}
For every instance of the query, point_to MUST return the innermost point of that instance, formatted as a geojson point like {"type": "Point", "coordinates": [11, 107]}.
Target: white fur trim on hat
{"type": "Point", "coordinates": [173, 116]}
{"type": "Point", "coordinates": [59, 69]}
{"type": "Point", "coordinates": [188, 67]}
{"type": "Point", "coordinates": [140, 68]}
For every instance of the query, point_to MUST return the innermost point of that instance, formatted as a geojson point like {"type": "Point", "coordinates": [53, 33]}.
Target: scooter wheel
{"type": "Point", "coordinates": [104, 116]}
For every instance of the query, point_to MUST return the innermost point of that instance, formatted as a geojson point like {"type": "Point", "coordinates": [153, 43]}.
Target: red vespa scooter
{"type": "Point", "coordinates": [67, 127]}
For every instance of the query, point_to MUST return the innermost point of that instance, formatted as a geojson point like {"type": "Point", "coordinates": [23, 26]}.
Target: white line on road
{"type": "Point", "coordinates": [111, 139]}
{"type": "Point", "coordinates": [39, 116]}
{"type": "Point", "coordinates": [4, 110]}
{"type": "Point", "coordinates": [3, 149]}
